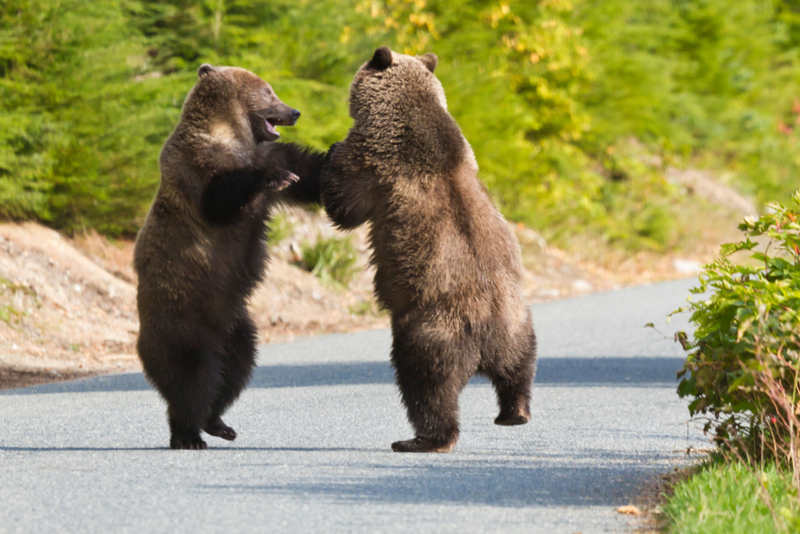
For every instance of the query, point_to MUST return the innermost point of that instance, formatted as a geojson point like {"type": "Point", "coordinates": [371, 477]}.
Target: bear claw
{"type": "Point", "coordinates": [422, 445]}
{"type": "Point", "coordinates": [187, 443]}
{"type": "Point", "coordinates": [285, 179]}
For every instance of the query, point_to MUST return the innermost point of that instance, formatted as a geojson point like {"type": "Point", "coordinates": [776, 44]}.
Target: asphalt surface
{"type": "Point", "coordinates": [316, 424]}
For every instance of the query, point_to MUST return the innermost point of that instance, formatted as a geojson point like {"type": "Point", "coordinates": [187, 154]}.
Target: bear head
{"type": "Point", "coordinates": [390, 85]}
{"type": "Point", "coordinates": [232, 101]}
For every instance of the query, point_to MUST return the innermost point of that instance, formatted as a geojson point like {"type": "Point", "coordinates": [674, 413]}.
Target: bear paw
{"type": "Point", "coordinates": [188, 442]}
{"type": "Point", "coordinates": [422, 445]}
{"type": "Point", "coordinates": [282, 179]}
{"type": "Point", "coordinates": [216, 427]}
{"type": "Point", "coordinates": [512, 419]}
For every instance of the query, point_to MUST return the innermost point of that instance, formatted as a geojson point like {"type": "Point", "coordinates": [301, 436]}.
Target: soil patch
{"type": "Point", "coordinates": [68, 304]}
{"type": "Point", "coordinates": [11, 378]}
{"type": "Point", "coordinates": [654, 495]}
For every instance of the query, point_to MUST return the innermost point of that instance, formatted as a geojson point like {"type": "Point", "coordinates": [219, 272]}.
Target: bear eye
{"type": "Point", "coordinates": [267, 92]}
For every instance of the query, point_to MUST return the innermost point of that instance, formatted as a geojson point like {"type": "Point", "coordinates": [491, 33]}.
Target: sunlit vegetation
{"type": "Point", "coordinates": [552, 95]}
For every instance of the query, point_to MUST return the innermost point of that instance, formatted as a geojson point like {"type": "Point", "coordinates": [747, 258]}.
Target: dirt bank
{"type": "Point", "coordinates": [68, 305]}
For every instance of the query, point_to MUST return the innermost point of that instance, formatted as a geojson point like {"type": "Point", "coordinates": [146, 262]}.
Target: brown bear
{"type": "Point", "coordinates": [202, 250]}
{"type": "Point", "coordinates": [448, 268]}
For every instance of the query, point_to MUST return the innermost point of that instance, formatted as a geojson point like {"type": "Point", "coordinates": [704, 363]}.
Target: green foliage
{"type": "Point", "coordinates": [279, 228]}
{"type": "Point", "coordinates": [367, 307]}
{"type": "Point", "coordinates": [332, 259]}
{"type": "Point", "coordinates": [734, 499]}
{"type": "Point", "coordinates": [548, 93]}
{"type": "Point", "coordinates": [743, 362]}
{"type": "Point", "coordinates": [708, 78]}
{"type": "Point", "coordinates": [80, 130]}
{"type": "Point", "coordinates": [90, 90]}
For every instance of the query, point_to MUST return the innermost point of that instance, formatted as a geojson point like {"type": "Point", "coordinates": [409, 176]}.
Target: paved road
{"type": "Point", "coordinates": [314, 433]}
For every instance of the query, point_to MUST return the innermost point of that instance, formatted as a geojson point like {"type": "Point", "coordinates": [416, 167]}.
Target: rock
{"type": "Point", "coordinates": [686, 266]}
{"type": "Point", "coordinates": [548, 293]}
{"type": "Point", "coordinates": [582, 286]}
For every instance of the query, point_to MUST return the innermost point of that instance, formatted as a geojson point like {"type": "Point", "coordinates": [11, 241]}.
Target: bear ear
{"type": "Point", "coordinates": [382, 59]}
{"type": "Point", "coordinates": [429, 60]}
{"type": "Point", "coordinates": [204, 69]}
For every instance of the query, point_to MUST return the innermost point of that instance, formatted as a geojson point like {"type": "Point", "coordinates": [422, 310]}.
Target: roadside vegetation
{"type": "Point", "coordinates": [332, 259]}
{"type": "Point", "coordinates": [733, 498]}
{"type": "Point", "coordinates": [742, 376]}
{"type": "Point", "coordinates": [576, 109]}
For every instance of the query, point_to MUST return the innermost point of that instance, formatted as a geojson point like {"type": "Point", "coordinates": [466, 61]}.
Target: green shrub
{"type": "Point", "coordinates": [742, 369]}
{"type": "Point", "coordinates": [332, 259]}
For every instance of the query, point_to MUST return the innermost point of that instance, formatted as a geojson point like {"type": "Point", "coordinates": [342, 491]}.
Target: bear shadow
{"type": "Point", "coordinates": [562, 371]}
{"type": "Point", "coordinates": [515, 485]}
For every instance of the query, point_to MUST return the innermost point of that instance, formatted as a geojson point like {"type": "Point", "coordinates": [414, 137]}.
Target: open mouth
{"type": "Point", "coordinates": [264, 122]}
{"type": "Point", "coordinates": [272, 122]}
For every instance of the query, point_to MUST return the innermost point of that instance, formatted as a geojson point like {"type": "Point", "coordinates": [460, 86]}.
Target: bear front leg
{"type": "Point", "coordinates": [304, 162]}
{"type": "Point", "coordinates": [228, 192]}
{"type": "Point", "coordinates": [430, 381]}
{"type": "Point", "coordinates": [348, 190]}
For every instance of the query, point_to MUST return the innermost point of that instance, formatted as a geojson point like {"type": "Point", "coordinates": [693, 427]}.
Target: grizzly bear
{"type": "Point", "coordinates": [202, 250]}
{"type": "Point", "coordinates": [448, 268]}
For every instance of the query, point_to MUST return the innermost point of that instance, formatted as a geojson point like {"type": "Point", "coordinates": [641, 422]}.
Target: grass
{"type": "Point", "coordinates": [367, 307]}
{"type": "Point", "coordinates": [332, 259]}
{"type": "Point", "coordinates": [280, 227]}
{"type": "Point", "coordinates": [727, 498]}
{"type": "Point", "coordinates": [8, 312]}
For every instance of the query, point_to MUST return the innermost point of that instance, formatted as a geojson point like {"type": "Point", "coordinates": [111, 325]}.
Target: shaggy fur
{"type": "Point", "coordinates": [448, 268]}
{"type": "Point", "coordinates": [201, 250]}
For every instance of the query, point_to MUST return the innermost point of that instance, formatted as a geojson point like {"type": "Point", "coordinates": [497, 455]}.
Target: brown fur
{"type": "Point", "coordinates": [448, 268]}
{"type": "Point", "coordinates": [201, 250]}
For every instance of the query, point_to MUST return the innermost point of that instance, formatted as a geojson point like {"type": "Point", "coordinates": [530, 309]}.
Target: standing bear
{"type": "Point", "coordinates": [448, 268]}
{"type": "Point", "coordinates": [202, 249]}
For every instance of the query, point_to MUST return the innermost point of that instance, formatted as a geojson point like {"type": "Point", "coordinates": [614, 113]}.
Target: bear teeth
{"type": "Point", "coordinates": [271, 129]}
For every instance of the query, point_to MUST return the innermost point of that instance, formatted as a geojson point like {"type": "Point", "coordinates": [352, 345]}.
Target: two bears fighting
{"type": "Point", "coordinates": [448, 269]}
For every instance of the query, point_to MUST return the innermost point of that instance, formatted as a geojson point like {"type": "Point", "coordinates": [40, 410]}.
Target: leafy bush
{"type": "Point", "coordinates": [332, 259]}
{"type": "Point", "coordinates": [744, 359]}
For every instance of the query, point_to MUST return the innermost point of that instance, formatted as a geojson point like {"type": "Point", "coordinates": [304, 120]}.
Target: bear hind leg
{"type": "Point", "coordinates": [429, 383]}
{"type": "Point", "coordinates": [237, 368]}
{"type": "Point", "coordinates": [189, 403]}
{"type": "Point", "coordinates": [513, 385]}
{"type": "Point", "coordinates": [215, 426]}
{"type": "Point", "coordinates": [514, 400]}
